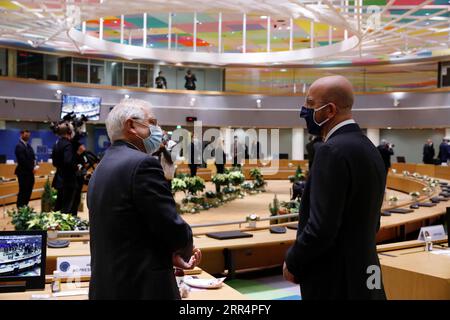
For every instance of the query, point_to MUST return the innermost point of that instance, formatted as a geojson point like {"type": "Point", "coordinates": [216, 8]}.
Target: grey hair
{"type": "Point", "coordinates": [124, 110]}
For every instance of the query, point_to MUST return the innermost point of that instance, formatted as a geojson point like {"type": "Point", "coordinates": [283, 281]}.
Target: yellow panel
{"type": "Point", "coordinates": [8, 5]}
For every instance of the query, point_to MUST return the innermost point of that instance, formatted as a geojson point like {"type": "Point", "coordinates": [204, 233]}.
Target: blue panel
{"type": "Point", "coordinates": [101, 141]}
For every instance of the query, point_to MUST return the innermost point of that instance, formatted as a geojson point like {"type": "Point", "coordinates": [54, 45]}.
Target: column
{"type": "Point", "coordinates": [374, 135]}
{"type": "Point", "coordinates": [447, 132]}
{"type": "Point", "coordinates": [298, 137]}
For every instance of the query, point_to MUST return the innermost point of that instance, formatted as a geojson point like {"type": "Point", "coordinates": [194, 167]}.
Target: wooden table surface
{"type": "Point", "coordinates": [224, 293]}
{"type": "Point", "coordinates": [413, 273]}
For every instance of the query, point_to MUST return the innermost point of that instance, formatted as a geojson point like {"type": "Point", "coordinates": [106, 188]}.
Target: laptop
{"type": "Point", "coordinates": [225, 235]}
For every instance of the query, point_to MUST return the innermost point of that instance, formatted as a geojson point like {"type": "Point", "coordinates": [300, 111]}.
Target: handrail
{"type": "Point", "coordinates": [290, 215]}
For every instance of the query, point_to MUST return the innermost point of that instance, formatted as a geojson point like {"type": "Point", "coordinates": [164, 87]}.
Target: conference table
{"type": "Point", "coordinates": [71, 291]}
{"type": "Point", "coordinates": [411, 273]}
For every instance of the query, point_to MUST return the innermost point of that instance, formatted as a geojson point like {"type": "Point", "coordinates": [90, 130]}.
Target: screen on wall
{"type": "Point", "coordinates": [80, 105]}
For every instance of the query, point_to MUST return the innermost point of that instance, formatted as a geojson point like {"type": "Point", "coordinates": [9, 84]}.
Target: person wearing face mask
{"type": "Point", "coordinates": [335, 248]}
{"type": "Point", "coordinates": [25, 168]}
{"type": "Point", "coordinates": [136, 235]}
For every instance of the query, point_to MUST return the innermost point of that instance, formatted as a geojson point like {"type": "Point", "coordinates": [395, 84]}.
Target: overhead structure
{"type": "Point", "coordinates": [233, 32]}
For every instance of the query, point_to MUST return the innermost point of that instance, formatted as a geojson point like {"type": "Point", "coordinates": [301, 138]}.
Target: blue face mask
{"type": "Point", "coordinates": [312, 126]}
{"type": "Point", "coordinates": [153, 141]}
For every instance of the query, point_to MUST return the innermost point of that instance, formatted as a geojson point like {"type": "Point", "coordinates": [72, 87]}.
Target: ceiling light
{"type": "Point", "coordinates": [283, 70]}
{"type": "Point", "coordinates": [126, 96]}
{"type": "Point", "coordinates": [263, 17]}
{"type": "Point", "coordinates": [389, 128]}
{"type": "Point", "coordinates": [30, 42]}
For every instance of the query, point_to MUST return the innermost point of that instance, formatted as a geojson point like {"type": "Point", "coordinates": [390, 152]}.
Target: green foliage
{"type": "Point", "coordinates": [27, 219]}
{"type": "Point", "coordinates": [48, 198]}
{"type": "Point", "coordinates": [195, 184]}
{"type": "Point", "coordinates": [179, 185]}
{"type": "Point", "coordinates": [299, 176]}
{"type": "Point", "coordinates": [274, 208]}
{"type": "Point", "coordinates": [236, 177]}
{"type": "Point", "coordinates": [220, 179]}
{"type": "Point", "coordinates": [21, 217]}
{"type": "Point", "coordinates": [258, 179]}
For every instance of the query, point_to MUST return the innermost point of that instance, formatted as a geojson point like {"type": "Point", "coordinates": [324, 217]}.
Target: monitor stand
{"type": "Point", "coordinates": [19, 286]}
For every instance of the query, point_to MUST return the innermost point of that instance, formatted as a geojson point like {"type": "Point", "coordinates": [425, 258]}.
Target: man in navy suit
{"type": "Point", "coordinates": [25, 168]}
{"type": "Point", "coordinates": [334, 255]}
{"type": "Point", "coordinates": [136, 234]}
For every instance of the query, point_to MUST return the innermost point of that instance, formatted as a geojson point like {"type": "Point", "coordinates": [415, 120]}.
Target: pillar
{"type": "Point", "coordinates": [374, 135]}
{"type": "Point", "coordinates": [298, 137]}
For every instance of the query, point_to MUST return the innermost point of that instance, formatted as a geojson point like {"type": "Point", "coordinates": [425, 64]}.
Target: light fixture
{"type": "Point", "coordinates": [192, 102]}
{"type": "Point", "coordinates": [178, 127]}
{"type": "Point", "coordinates": [126, 96]}
{"type": "Point", "coordinates": [396, 102]}
{"type": "Point", "coordinates": [258, 103]}
{"type": "Point", "coordinates": [283, 70]}
{"type": "Point", "coordinates": [389, 128]}
{"type": "Point", "coordinates": [263, 17]}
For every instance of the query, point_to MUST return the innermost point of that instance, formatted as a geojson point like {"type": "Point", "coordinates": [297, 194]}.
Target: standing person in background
{"type": "Point", "coordinates": [64, 158]}
{"type": "Point", "coordinates": [25, 169]}
{"type": "Point", "coordinates": [220, 156]}
{"type": "Point", "coordinates": [428, 152]}
{"type": "Point", "coordinates": [190, 80]}
{"type": "Point", "coordinates": [311, 147]}
{"type": "Point", "coordinates": [160, 81]}
{"type": "Point", "coordinates": [444, 150]}
{"type": "Point", "coordinates": [386, 151]}
{"type": "Point", "coordinates": [195, 155]}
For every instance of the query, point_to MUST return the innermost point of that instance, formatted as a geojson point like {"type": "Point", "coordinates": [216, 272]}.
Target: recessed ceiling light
{"type": "Point", "coordinates": [283, 70]}
{"type": "Point", "coordinates": [389, 128]}
{"type": "Point", "coordinates": [265, 17]}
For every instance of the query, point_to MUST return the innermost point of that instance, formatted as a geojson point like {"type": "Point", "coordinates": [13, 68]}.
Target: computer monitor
{"type": "Point", "coordinates": [401, 159]}
{"type": "Point", "coordinates": [22, 258]}
{"type": "Point", "coordinates": [81, 105]}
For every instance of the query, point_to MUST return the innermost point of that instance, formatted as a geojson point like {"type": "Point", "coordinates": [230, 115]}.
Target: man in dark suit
{"type": "Point", "coordinates": [386, 151]}
{"type": "Point", "coordinates": [334, 255]}
{"type": "Point", "coordinates": [25, 168]}
{"type": "Point", "coordinates": [444, 151]}
{"type": "Point", "coordinates": [311, 148]}
{"type": "Point", "coordinates": [428, 152]}
{"type": "Point", "coordinates": [136, 234]}
{"type": "Point", "coordinates": [64, 158]}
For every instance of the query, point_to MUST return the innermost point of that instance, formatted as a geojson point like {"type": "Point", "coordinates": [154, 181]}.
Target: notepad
{"type": "Point", "coordinates": [71, 293]}
{"type": "Point", "coordinates": [400, 210]}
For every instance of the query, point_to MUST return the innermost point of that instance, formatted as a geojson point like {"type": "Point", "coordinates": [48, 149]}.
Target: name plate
{"type": "Point", "coordinates": [69, 266]}
{"type": "Point", "coordinates": [435, 232]}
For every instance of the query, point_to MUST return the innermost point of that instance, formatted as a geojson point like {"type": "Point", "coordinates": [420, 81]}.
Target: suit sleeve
{"type": "Point", "coordinates": [157, 207]}
{"type": "Point", "coordinates": [329, 182]}
{"type": "Point", "coordinates": [20, 155]}
{"type": "Point", "coordinates": [69, 157]}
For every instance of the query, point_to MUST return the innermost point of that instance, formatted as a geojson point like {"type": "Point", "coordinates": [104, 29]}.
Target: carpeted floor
{"type": "Point", "coordinates": [265, 285]}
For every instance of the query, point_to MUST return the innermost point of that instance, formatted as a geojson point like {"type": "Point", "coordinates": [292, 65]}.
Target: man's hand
{"type": "Point", "coordinates": [194, 261]}
{"type": "Point", "coordinates": [288, 276]}
{"type": "Point", "coordinates": [81, 149]}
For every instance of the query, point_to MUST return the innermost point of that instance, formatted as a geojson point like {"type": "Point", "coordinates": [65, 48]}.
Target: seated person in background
{"type": "Point", "coordinates": [137, 236]}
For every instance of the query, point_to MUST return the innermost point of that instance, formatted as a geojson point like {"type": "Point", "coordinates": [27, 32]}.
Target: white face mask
{"type": "Point", "coordinates": [153, 141]}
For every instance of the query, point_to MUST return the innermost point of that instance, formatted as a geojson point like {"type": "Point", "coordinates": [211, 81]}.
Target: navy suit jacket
{"type": "Point", "coordinates": [134, 228]}
{"type": "Point", "coordinates": [25, 159]}
{"type": "Point", "coordinates": [339, 219]}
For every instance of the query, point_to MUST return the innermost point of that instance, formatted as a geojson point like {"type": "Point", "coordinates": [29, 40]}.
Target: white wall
{"type": "Point", "coordinates": [409, 142]}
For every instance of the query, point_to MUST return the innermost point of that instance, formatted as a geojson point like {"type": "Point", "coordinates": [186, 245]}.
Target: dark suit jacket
{"type": "Point", "coordinates": [25, 159]}
{"type": "Point", "coordinates": [134, 228]}
{"type": "Point", "coordinates": [339, 219]}
{"type": "Point", "coordinates": [386, 154]}
{"type": "Point", "coordinates": [64, 158]}
{"type": "Point", "coordinates": [444, 152]}
{"type": "Point", "coordinates": [428, 154]}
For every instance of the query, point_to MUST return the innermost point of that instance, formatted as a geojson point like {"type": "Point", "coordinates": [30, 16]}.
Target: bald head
{"type": "Point", "coordinates": [336, 89]}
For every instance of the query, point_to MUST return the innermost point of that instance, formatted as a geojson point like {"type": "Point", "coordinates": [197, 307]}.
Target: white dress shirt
{"type": "Point", "coordinates": [338, 126]}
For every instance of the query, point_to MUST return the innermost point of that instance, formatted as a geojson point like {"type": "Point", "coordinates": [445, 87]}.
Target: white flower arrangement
{"type": "Point", "coordinates": [394, 171]}
{"type": "Point", "coordinates": [393, 198]}
{"type": "Point", "coordinates": [414, 195]}
{"type": "Point", "coordinates": [406, 173]}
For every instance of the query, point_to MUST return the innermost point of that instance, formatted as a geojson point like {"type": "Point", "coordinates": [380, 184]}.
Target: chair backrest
{"type": "Point", "coordinates": [401, 159]}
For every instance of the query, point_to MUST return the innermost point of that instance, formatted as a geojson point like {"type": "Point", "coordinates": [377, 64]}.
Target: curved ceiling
{"type": "Point", "coordinates": [385, 29]}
